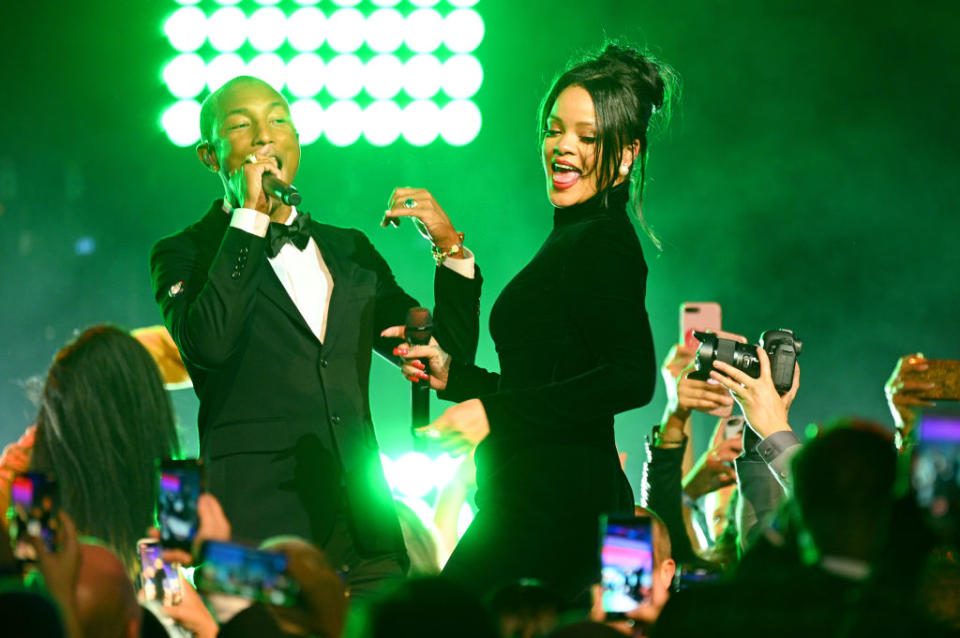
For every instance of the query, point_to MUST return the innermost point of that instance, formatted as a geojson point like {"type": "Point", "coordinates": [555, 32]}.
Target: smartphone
{"type": "Point", "coordinates": [260, 575]}
{"type": "Point", "coordinates": [180, 484]}
{"type": "Point", "coordinates": [944, 374]}
{"type": "Point", "coordinates": [698, 315]}
{"type": "Point", "coordinates": [935, 470]}
{"type": "Point", "coordinates": [33, 496]}
{"type": "Point", "coordinates": [688, 576]}
{"type": "Point", "coordinates": [626, 563]}
{"type": "Point", "coordinates": [159, 579]}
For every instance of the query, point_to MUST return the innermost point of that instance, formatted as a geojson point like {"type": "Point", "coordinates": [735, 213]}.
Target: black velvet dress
{"type": "Point", "coordinates": [575, 348]}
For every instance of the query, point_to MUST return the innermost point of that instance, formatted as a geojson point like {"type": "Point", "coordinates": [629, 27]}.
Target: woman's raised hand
{"type": "Point", "coordinates": [429, 217]}
{"type": "Point", "coordinates": [411, 359]}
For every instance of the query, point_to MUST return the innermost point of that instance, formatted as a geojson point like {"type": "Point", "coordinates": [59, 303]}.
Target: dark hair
{"type": "Point", "coordinates": [104, 418]}
{"type": "Point", "coordinates": [628, 89]}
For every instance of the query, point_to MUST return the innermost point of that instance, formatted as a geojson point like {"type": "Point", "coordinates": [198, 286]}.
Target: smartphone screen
{"type": "Point", "coordinates": [234, 569]}
{"type": "Point", "coordinates": [180, 484]}
{"type": "Point", "coordinates": [626, 562]}
{"type": "Point", "coordinates": [159, 579]}
{"type": "Point", "coordinates": [935, 470]}
{"type": "Point", "coordinates": [34, 499]}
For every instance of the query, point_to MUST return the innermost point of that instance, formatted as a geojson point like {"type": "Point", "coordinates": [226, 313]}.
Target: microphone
{"type": "Point", "coordinates": [419, 328]}
{"type": "Point", "coordinates": [278, 189]}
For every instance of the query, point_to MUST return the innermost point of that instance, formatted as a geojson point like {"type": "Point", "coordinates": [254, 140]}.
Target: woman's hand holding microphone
{"type": "Point", "coordinates": [461, 427]}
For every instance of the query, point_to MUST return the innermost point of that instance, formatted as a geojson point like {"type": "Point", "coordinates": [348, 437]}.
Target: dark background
{"type": "Point", "coordinates": [807, 180]}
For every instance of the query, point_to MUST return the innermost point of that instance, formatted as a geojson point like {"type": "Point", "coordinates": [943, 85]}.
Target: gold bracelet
{"type": "Point", "coordinates": [440, 256]}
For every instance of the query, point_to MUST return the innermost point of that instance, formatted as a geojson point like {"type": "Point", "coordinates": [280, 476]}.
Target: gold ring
{"type": "Point", "coordinates": [250, 159]}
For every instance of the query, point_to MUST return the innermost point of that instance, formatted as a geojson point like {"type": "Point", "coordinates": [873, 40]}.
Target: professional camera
{"type": "Point", "coordinates": [780, 345]}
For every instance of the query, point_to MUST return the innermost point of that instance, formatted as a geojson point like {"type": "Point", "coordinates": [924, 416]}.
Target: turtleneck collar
{"type": "Point", "coordinates": [616, 202]}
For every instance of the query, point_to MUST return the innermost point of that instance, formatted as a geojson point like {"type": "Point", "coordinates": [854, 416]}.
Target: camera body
{"type": "Point", "coordinates": [781, 346]}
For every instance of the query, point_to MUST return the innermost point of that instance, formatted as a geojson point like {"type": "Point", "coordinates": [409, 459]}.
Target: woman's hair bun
{"type": "Point", "coordinates": [649, 78]}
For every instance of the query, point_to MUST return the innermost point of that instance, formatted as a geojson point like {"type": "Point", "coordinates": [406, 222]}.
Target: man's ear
{"type": "Point", "coordinates": [668, 568]}
{"type": "Point", "coordinates": [208, 156]}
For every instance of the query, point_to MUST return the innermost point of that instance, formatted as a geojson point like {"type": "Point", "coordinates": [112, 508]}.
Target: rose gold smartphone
{"type": "Point", "coordinates": [698, 315]}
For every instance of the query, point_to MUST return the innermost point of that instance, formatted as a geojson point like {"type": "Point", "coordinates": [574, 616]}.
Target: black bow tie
{"type": "Point", "coordinates": [297, 233]}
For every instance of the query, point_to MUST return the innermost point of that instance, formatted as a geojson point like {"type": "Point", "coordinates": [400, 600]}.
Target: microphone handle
{"type": "Point", "coordinates": [278, 189]}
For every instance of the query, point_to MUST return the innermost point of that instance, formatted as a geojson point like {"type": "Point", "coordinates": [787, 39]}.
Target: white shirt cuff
{"type": "Point", "coordinates": [463, 267]}
{"type": "Point", "coordinates": [251, 221]}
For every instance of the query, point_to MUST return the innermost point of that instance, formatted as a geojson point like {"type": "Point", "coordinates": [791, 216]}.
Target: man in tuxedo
{"type": "Point", "coordinates": [276, 317]}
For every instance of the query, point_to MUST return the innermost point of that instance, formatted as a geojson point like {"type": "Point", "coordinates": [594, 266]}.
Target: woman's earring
{"type": "Point", "coordinates": [624, 170]}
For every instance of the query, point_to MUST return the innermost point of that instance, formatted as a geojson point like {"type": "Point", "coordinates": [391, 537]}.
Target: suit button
{"type": "Point", "coordinates": [324, 363]}
{"type": "Point", "coordinates": [244, 250]}
{"type": "Point", "coordinates": [335, 420]}
{"type": "Point", "coordinates": [235, 274]}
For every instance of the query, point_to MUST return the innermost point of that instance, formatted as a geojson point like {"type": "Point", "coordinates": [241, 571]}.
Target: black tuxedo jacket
{"type": "Point", "coordinates": [285, 425]}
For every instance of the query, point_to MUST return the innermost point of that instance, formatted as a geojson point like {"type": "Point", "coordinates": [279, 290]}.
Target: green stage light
{"type": "Point", "coordinates": [423, 30]}
{"type": "Point", "coordinates": [344, 76]}
{"type": "Point", "coordinates": [462, 76]}
{"type": "Point", "coordinates": [305, 68]}
{"type": "Point", "coordinates": [268, 67]}
{"type": "Point", "coordinates": [186, 29]}
{"type": "Point", "coordinates": [460, 122]}
{"type": "Point", "coordinates": [411, 475]}
{"type": "Point", "coordinates": [307, 116]}
{"type": "Point", "coordinates": [306, 28]}
{"type": "Point", "coordinates": [383, 77]}
{"type": "Point", "coordinates": [222, 68]}
{"type": "Point", "coordinates": [384, 32]}
{"type": "Point", "coordinates": [227, 29]}
{"type": "Point", "coordinates": [267, 28]}
{"type": "Point", "coordinates": [345, 30]}
{"type": "Point", "coordinates": [420, 122]}
{"type": "Point", "coordinates": [343, 123]}
{"type": "Point", "coordinates": [182, 122]}
{"type": "Point", "coordinates": [421, 76]}
{"type": "Point", "coordinates": [381, 122]}
{"type": "Point", "coordinates": [304, 75]}
{"type": "Point", "coordinates": [185, 75]}
{"type": "Point", "coordinates": [462, 30]}
{"type": "Point", "coordinates": [464, 519]}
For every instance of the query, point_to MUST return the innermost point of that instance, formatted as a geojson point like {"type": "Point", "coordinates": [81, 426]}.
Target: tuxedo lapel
{"type": "Point", "coordinates": [272, 288]}
{"type": "Point", "coordinates": [341, 271]}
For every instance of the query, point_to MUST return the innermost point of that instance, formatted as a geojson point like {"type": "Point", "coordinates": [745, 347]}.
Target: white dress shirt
{"type": "Point", "coordinates": [304, 274]}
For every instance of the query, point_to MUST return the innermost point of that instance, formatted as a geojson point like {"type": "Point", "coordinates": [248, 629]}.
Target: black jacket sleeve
{"type": "Point", "coordinates": [662, 493]}
{"type": "Point", "coordinates": [206, 305]}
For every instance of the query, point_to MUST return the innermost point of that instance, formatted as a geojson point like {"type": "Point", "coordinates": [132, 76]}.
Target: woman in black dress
{"type": "Point", "coordinates": [574, 343]}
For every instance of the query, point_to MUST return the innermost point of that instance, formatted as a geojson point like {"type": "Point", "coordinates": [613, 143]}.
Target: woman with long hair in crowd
{"type": "Point", "coordinates": [104, 419]}
{"type": "Point", "coordinates": [573, 339]}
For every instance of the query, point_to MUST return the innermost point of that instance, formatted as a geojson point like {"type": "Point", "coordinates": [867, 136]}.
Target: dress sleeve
{"type": "Point", "coordinates": [607, 285]}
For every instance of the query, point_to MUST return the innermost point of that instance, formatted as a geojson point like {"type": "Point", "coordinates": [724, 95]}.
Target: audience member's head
{"type": "Point", "coordinates": [843, 489]}
{"type": "Point", "coordinates": [104, 418]}
{"type": "Point", "coordinates": [107, 605]}
{"type": "Point", "coordinates": [323, 603]}
{"type": "Point", "coordinates": [525, 609]}
{"type": "Point", "coordinates": [423, 608]}
{"type": "Point", "coordinates": [29, 615]}
{"type": "Point", "coordinates": [420, 542]}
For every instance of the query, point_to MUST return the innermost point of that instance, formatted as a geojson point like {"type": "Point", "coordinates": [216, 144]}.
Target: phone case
{"type": "Point", "coordinates": [698, 315]}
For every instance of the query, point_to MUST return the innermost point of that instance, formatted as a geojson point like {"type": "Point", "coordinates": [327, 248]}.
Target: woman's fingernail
{"type": "Point", "coordinates": [423, 375]}
{"type": "Point", "coordinates": [418, 364]}
{"type": "Point", "coordinates": [415, 379]}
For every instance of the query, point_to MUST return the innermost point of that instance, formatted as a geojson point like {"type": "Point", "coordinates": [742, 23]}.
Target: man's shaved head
{"type": "Point", "coordinates": [210, 111]}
